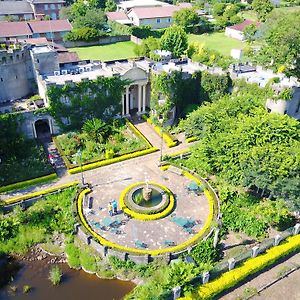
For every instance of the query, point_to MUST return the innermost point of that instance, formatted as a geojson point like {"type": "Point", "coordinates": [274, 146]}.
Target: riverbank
{"type": "Point", "coordinates": [33, 270]}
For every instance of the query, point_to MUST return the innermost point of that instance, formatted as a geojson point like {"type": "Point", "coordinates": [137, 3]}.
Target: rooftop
{"type": "Point", "coordinates": [116, 16]}
{"type": "Point", "coordinates": [18, 7]}
{"type": "Point", "coordinates": [243, 25]}
{"type": "Point", "coordinates": [155, 12]}
{"type": "Point", "coordinates": [50, 26]}
{"type": "Point", "coordinates": [126, 5]}
{"type": "Point", "coordinates": [13, 29]}
{"type": "Point", "coordinates": [47, 1]}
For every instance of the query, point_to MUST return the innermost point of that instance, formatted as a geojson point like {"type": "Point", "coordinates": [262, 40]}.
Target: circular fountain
{"type": "Point", "coordinates": [146, 198]}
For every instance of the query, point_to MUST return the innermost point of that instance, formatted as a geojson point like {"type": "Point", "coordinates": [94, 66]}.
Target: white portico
{"type": "Point", "coordinates": [137, 93]}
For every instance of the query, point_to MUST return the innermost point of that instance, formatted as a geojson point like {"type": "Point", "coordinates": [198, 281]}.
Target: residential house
{"type": "Point", "coordinates": [43, 8]}
{"type": "Point", "coordinates": [51, 29]}
{"type": "Point", "coordinates": [16, 10]}
{"type": "Point", "coordinates": [237, 31]}
{"type": "Point", "coordinates": [119, 17]}
{"type": "Point", "coordinates": [126, 6]}
{"type": "Point", "coordinates": [156, 17]}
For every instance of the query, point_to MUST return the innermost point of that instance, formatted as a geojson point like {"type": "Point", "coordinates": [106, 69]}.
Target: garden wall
{"type": "Point", "coordinates": [101, 41]}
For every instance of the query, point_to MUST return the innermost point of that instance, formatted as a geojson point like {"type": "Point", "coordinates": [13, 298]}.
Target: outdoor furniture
{"type": "Point", "coordinates": [194, 187]}
{"type": "Point", "coordinates": [108, 222]}
{"type": "Point", "coordinates": [140, 244]}
{"type": "Point", "coordinates": [169, 243]}
{"type": "Point", "coordinates": [188, 230]}
{"type": "Point", "coordinates": [115, 231]}
{"type": "Point", "coordinates": [100, 226]}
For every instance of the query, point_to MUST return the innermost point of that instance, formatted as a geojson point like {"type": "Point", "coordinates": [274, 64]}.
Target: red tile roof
{"type": "Point", "coordinates": [50, 26]}
{"type": "Point", "coordinates": [116, 15]}
{"type": "Point", "coordinates": [184, 5]}
{"type": "Point", "coordinates": [68, 57]}
{"type": "Point", "coordinates": [242, 26]}
{"type": "Point", "coordinates": [155, 12]}
{"type": "Point", "coordinates": [14, 29]}
{"type": "Point", "coordinates": [35, 41]}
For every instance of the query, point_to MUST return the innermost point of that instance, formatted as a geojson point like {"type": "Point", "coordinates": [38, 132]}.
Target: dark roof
{"type": "Point", "coordinates": [15, 8]}
{"type": "Point", "coordinates": [68, 57]}
{"type": "Point", "coordinates": [243, 25]}
{"type": "Point", "coordinates": [50, 26]}
{"type": "Point", "coordinates": [14, 29]}
{"type": "Point", "coordinates": [47, 1]}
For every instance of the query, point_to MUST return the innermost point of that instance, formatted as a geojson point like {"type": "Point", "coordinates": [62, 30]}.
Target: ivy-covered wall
{"type": "Point", "coordinates": [100, 98]}
{"type": "Point", "coordinates": [184, 91]}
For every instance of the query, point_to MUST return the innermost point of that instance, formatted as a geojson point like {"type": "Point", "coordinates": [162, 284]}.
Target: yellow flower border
{"type": "Point", "coordinates": [147, 217]}
{"type": "Point", "coordinates": [37, 194]}
{"type": "Point", "coordinates": [249, 267]}
{"type": "Point", "coordinates": [173, 249]}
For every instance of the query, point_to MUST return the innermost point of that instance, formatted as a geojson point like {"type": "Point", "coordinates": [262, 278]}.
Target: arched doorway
{"type": "Point", "coordinates": [42, 129]}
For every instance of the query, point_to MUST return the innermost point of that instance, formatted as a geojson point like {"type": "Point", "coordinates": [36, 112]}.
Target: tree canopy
{"type": "Point", "coordinates": [281, 42]}
{"type": "Point", "coordinates": [175, 40]}
{"type": "Point", "coordinates": [262, 8]}
{"type": "Point", "coordinates": [186, 18]}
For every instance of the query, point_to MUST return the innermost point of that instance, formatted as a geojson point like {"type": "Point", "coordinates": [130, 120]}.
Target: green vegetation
{"type": "Point", "coordinates": [21, 159]}
{"type": "Point", "coordinates": [26, 289]}
{"type": "Point", "coordinates": [99, 140]}
{"type": "Point", "coordinates": [114, 51]}
{"type": "Point", "coordinates": [216, 41]}
{"type": "Point", "coordinates": [20, 230]}
{"type": "Point", "coordinates": [55, 275]}
{"type": "Point", "coordinates": [98, 98]}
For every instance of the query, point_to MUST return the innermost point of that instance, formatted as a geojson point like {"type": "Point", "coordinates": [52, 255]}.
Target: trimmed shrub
{"type": "Point", "coordinates": [28, 183]}
{"type": "Point", "coordinates": [251, 266]}
{"type": "Point", "coordinates": [37, 194]}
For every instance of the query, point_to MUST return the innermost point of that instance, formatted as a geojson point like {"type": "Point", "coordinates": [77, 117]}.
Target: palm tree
{"type": "Point", "coordinates": [96, 129]}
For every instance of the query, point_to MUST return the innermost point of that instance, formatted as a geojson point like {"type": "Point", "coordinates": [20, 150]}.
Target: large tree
{"type": "Point", "coordinates": [281, 42]}
{"type": "Point", "coordinates": [262, 8]}
{"type": "Point", "coordinates": [186, 17]}
{"type": "Point", "coordinates": [175, 40]}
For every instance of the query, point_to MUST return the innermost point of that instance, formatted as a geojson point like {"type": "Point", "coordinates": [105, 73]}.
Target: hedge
{"type": "Point", "coordinates": [170, 140]}
{"type": "Point", "coordinates": [174, 249]}
{"type": "Point", "coordinates": [27, 183]}
{"type": "Point", "coordinates": [191, 139]}
{"type": "Point", "coordinates": [113, 160]}
{"type": "Point", "coordinates": [147, 217]}
{"type": "Point", "coordinates": [37, 194]}
{"type": "Point", "coordinates": [249, 267]}
{"type": "Point", "coordinates": [138, 133]}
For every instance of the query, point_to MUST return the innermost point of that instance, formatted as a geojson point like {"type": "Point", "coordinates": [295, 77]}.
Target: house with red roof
{"type": "Point", "coordinates": [51, 29]}
{"type": "Point", "coordinates": [156, 17]}
{"type": "Point", "coordinates": [237, 31]}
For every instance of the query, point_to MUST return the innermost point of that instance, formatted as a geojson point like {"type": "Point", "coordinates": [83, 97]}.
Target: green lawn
{"type": "Point", "coordinates": [106, 52]}
{"type": "Point", "coordinates": [217, 41]}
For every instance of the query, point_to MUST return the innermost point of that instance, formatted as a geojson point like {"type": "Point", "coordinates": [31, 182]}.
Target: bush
{"type": "Point", "coordinates": [55, 275]}
{"type": "Point", "coordinates": [84, 34]}
{"type": "Point", "coordinates": [72, 253]}
{"type": "Point", "coordinates": [28, 183]}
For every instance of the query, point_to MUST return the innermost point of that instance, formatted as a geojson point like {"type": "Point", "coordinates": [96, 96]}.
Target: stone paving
{"type": "Point", "coordinates": [152, 233]}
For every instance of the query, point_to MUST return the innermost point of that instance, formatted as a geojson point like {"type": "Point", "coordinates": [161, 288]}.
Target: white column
{"type": "Point", "coordinates": [140, 99]}
{"type": "Point", "coordinates": [34, 131]}
{"type": "Point", "coordinates": [127, 100]}
{"type": "Point", "coordinates": [123, 105]}
{"type": "Point", "coordinates": [144, 98]}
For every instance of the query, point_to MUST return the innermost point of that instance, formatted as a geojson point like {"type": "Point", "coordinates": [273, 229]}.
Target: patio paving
{"type": "Point", "coordinates": [152, 233]}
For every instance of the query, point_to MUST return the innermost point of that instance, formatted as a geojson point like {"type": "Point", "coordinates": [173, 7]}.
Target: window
{"type": "Point", "coordinates": [169, 20]}
{"type": "Point", "coordinates": [46, 7]}
{"type": "Point", "coordinates": [52, 6]}
{"type": "Point", "coordinates": [59, 6]}
{"type": "Point", "coordinates": [157, 20]}
{"type": "Point", "coordinates": [49, 35]}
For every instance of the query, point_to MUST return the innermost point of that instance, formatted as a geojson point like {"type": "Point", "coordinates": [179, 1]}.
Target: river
{"type": "Point", "coordinates": [75, 285]}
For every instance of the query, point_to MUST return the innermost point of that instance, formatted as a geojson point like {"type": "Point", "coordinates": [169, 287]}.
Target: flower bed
{"type": "Point", "coordinates": [116, 142]}
{"type": "Point", "coordinates": [37, 194]}
{"type": "Point", "coordinates": [151, 214]}
{"type": "Point", "coordinates": [27, 183]}
{"type": "Point", "coordinates": [251, 266]}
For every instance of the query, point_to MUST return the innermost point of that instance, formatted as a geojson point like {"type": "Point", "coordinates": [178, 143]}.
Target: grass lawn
{"type": "Point", "coordinates": [217, 41]}
{"type": "Point", "coordinates": [106, 52]}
